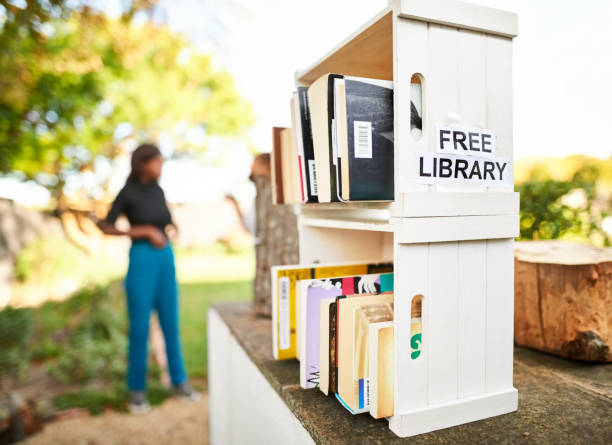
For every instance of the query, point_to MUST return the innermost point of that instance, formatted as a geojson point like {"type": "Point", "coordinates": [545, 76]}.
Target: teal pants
{"type": "Point", "coordinates": [151, 284]}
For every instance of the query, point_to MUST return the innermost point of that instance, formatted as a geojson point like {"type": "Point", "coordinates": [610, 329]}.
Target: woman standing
{"type": "Point", "coordinates": [151, 279]}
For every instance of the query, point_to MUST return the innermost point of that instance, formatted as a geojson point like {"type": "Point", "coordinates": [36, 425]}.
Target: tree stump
{"type": "Point", "coordinates": [563, 299]}
{"type": "Point", "coordinates": [276, 235]}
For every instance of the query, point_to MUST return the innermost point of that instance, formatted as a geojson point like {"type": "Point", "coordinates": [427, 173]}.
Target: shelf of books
{"type": "Point", "coordinates": [399, 164]}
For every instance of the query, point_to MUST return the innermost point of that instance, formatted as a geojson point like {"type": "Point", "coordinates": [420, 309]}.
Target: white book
{"type": "Point", "coordinates": [380, 345]}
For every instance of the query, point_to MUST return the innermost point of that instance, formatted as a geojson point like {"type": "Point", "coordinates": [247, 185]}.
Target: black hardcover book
{"type": "Point", "coordinates": [331, 131]}
{"type": "Point", "coordinates": [309, 166]}
{"type": "Point", "coordinates": [369, 110]}
{"type": "Point", "coordinates": [333, 346]}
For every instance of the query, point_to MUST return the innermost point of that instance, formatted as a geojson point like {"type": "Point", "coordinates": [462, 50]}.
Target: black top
{"type": "Point", "coordinates": [141, 204]}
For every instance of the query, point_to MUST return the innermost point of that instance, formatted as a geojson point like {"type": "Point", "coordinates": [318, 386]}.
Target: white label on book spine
{"type": "Point", "coordinates": [363, 139]}
{"type": "Point", "coordinates": [334, 142]}
{"type": "Point", "coordinates": [312, 172]}
{"type": "Point", "coordinates": [367, 397]}
{"type": "Point", "coordinates": [284, 331]}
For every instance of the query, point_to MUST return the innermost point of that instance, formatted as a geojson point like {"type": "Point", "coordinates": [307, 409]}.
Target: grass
{"type": "Point", "coordinates": [196, 298]}
{"type": "Point", "coordinates": [85, 335]}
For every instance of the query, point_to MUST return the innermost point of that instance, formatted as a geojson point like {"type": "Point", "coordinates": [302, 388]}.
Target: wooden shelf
{"type": "Point", "coordinates": [368, 52]}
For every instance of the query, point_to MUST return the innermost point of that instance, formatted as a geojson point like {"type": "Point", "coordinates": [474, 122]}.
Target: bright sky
{"type": "Point", "coordinates": [563, 62]}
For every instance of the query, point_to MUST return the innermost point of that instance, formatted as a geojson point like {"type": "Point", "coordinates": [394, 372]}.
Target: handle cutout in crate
{"type": "Point", "coordinates": [416, 106]}
{"type": "Point", "coordinates": [416, 326]}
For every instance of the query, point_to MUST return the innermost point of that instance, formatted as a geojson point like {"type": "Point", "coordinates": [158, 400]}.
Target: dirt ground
{"type": "Point", "coordinates": [175, 421]}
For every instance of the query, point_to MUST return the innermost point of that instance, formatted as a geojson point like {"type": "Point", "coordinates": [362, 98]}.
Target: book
{"type": "Point", "coordinates": [284, 279]}
{"type": "Point", "coordinates": [307, 150]}
{"type": "Point", "coordinates": [290, 169]}
{"type": "Point", "coordinates": [276, 175]}
{"type": "Point", "coordinates": [296, 124]}
{"type": "Point", "coordinates": [333, 346]}
{"type": "Point", "coordinates": [310, 293]}
{"type": "Point", "coordinates": [381, 369]}
{"type": "Point", "coordinates": [347, 386]}
{"type": "Point", "coordinates": [363, 317]}
{"type": "Point", "coordinates": [321, 107]}
{"type": "Point", "coordinates": [324, 307]}
{"type": "Point", "coordinates": [365, 139]}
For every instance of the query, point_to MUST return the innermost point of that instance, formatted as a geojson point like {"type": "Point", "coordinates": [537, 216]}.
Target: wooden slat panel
{"type": "Point", "coordinates": [472, 311]}
{"type": "Point", "coordinates": [412, 57]}
{"type": "Point", "coordinates": [500, 318]}
{"type": "Point", "coordinates": [460, 228]}
{"type": "Point", "coordinates": [442, 81]}
{"type": "Point", "coordinates": [462, 15]}
{"type": "Point", "coordinates": [472, 89]}
{"type": "Point", "coordinates": [499, 96]}
{"type": "Point", "coordinates": [411, 272]}
{"type": "Point", "coordinates": [441, 328]}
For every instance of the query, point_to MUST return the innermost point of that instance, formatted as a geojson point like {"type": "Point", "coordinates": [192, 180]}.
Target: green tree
{"type": "Point", "coordinates": [69, 77]}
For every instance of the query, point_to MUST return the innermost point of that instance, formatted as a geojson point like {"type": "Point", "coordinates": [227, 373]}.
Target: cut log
{"type": "Point", "coordinates": [563, 299]}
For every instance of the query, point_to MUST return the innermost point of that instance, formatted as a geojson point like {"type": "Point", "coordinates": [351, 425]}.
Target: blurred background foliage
{"type": "Point", "coordinates": [567, 198]}
{"type": "Point", "coordinates": [75, 84]}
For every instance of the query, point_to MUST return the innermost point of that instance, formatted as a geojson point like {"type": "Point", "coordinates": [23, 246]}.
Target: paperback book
{"type": "Point", "coordinates": [283, 286]}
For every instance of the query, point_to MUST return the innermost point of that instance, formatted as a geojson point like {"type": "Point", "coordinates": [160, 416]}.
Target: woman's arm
{"type": "Point", "coordinates": [144, 231]}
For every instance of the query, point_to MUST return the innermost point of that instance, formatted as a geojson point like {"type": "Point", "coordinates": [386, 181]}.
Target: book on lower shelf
{"type": "Point", "coordinates": [310, 294]}
{"type": "Point", "coordinates": [336, 315]}
{"type": "Point", "coordinates": [283, 289]}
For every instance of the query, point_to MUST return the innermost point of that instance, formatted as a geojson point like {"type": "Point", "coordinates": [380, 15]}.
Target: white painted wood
{"type": "Point", "coordinates": [243, 407]}
{"type": "Point", "coordinates": [454, 413]}
{"type": "Point", "coordinates": [461, 15]}
{"type": "Point", "coordinates": [410, 58]}
{"type": "Point", "coordinates": [499, 314]}
{"type": "Point", "coordinates": [471, 334]}
{"type": "Point", "coordinates": [321, 244]}
{"type": "Point", "coordinates": [472, 86]}
{"type": "Point", "coordinates": [348, 224]}
{"type": "Point", "coordinates": [219, 407]}
{"type": "Point", "coordinates": [452, 244]}
{"type": "Point", "coordinates": [442, 82]}
{"type": "Point", "coordinates": [420, 204]}
{"type": "Point", "coordinates": [336, 55]}
{"type": "Point", "coordinates": [460, 228]}
{"type": "Point", "coordinates": [499, 94]}
{"type": "Point", "coordinates": [411, 277]}
{"type": "Point", "coordinates": [442, 322]}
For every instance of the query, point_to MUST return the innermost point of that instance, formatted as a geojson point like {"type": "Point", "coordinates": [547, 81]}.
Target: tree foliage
{"type": "Point", "coordinates": [68, 78]}
{"type": "Point", "coordinates": [566, 199]}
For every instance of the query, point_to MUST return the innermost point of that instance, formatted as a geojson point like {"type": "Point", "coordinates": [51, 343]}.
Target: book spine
{"type": "Point", "coordinates": [309, 178]}
{"type": "Point", "coordinates": [332, 136]}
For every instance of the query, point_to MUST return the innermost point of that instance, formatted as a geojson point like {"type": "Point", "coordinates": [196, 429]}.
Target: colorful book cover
{"type": "Point", "coordinates": [312, 292]}
{"type": "Point", "coordinates": [324, 344]}
{"type": "Point", "coordinates": [284, 279]}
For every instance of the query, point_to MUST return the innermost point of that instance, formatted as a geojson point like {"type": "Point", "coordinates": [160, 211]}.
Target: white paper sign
{"type": "Point", "coordinates": [460, 140]}
{"type": "Point", "coordinates": [434, 168]}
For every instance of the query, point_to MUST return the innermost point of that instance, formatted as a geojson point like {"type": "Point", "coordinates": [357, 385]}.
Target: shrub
{"type": "Point", "coordinates": [15, 334]}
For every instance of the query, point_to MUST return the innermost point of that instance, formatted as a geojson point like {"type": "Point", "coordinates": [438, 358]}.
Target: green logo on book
{"type": "Point", "coordinates": [415, 344]}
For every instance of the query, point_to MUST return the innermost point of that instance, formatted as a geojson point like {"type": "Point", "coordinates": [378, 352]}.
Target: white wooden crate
{"type": "Point", "coordinates": [452, 244]}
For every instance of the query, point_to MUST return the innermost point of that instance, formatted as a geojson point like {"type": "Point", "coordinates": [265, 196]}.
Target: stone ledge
{"type": "Point", "coordinates": [560, 401]}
